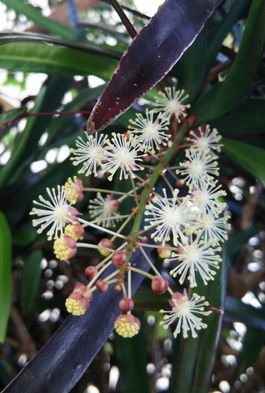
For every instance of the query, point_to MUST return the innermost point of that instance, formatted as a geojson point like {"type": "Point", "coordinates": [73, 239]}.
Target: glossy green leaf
{"type": "Point", "coordinates": [54, 60]}
{"type": "Point", "coordinates": [247, 118]}
{"type": "Point", "coordinates": [209, 338]}
{"type": "Point", "coordinates": [30, 279]}
{"type": "Point", "coordinates": [240, 76]}
{"type": "Point", "coordinates": [35, 15]}
{"type": "Point", "coordinates": [5, 274]}
{"type": "Point", "coordinates": [11, 115]}
{"type": "Point", "coordinates": [249, 157]}
{"type": "Point", "coordinates": [223, 28]}
{"type": "Point", "coordinates": [24, 236]}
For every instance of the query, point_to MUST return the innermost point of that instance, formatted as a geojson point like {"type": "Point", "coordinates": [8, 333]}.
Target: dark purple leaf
{"type": "Point", "coordinates": [63, 361]}
{"type": "Point", "coordinates": [152, 53]}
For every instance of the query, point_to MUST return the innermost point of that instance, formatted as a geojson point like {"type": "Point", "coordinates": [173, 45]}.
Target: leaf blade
{"type": "Point", "coordinates": [30, 279]}
{"type": "Point", "coordinates": [5, 274]}
{"type": "Point", "coordinates": [53, 60]}
{"type": "Point", "coordinates": [249, 157]}
{"type": "Point", "coordinates": [154, 51]}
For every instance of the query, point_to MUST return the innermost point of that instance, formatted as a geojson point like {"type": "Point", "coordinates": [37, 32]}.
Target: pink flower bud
{"type": "Point", "coordinates": [74, 213]}
{"type": "Point", "coordinates": [90, 272]}
{"type": "Point", "coordinates": [103, 246]}
{"type": "Point", "coordinates": [102, 285]}
{"type": "Point", "coordinates": [159, 285]}
{"type": "Point", "coordinates": [126, 304]}
{"type": "Point", "coordinates": [118, 258]}
{"type": "Point", "coordinates": [178, 298]}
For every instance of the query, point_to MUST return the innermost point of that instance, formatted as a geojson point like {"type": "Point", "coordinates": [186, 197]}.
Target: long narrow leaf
{"type": "Point", "coordinates": [151, 55]}
{"type": "Point", "coordinates": [5, 275]}
{"type": "Point", "coordinates": [33, 14]}
{"type": "Point", "coordinates": [240, 77]}
{"type": "Point", "coordinates": [53, 60]}
{"type": "Point", "coordinates": [62, 362]}
{"type": "Point", "coordinates": [251, 158]}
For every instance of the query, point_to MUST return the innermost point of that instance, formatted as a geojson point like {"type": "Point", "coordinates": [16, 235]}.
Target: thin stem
{"type": "Point", "coordinates": [152, 181]}
{"type": "Point", "coordinates": [135, 192]}
{"type": "Point", "coordinates": [88, 189]}
{"type": "Point", "coordinates": [113, 274]}
{"type": "Point", "coordinates": [126, 22]}
{"type": "Point", "coordinates": [109, 256]}
{"type": "Point", "coordinates": [129, 282]}
{"type": "Point", "coordinates": [167, 182]}
{"type": "Point", "coordinates": [90, 224]}
{"type": "Point", "coordinates": [124, 290]}
{"type": "Point", "coordinates": [123, 226]}
{"type": "Point", "coordinates": [156, 246]}
{"type": "Point", "coordinates": [99, 274]}
{"type": "Point", "coordinates": [142, 272]}
{"type": "Point", "coordinates": [150, 262]}
{"type": "Point", "coordinates": [110, 218]}
{"type": "Point", "coordinates": [88, 245]}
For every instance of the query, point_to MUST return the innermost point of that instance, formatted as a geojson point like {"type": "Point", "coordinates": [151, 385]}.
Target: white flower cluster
{"type": "Point", "coordinates": [198, 221]}
{"type": "Point", "coordinates": [191, 221]}
{"type": "Point", "coordinates": [122, 153]}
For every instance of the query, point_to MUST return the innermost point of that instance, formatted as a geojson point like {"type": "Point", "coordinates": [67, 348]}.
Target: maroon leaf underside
{"type": "Point", "coordinates": [150, 56]}
{"type": "Point", "coordinates": [64, 359]}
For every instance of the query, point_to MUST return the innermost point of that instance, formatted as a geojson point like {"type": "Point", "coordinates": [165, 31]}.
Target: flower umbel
{"type": "Point", "coordinates": [89, 153]}
{"type": "Point", "coordinates": [205, 140]}
{"type": "Point", "coordinates": [168, 216]}
{"type": "Point", "coordinates": [104, 210]}
{"type": "Point", "coordinates": [54, 212]}
{"type": "Point", "coordinates": [196, 257]}
{"type": "Point", "coordinates": [171, 102]}
{"type": "Point", "coordinates": [198, 169]}
{"type": "Point", "coordinates": [121, 156]}
{"type": "Point", "coordinates": [185, 312]}
{"type": "Point", "coordinates": [150, 132]}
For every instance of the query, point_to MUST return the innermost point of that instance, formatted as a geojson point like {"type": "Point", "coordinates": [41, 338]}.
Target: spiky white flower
{"type": "Point", "coordinates": [199, 169]}
{"type": "Point", "coordinates": [207, 198]}
{"type": "Point", "coordinates": [214, 228]}
{"type": "Point", "coordinates": [205, 141]}
{"type": "Point", "coordinates": [169, 216]}
{"type": "Point", "coordinates": [89, 153]}
{"type": "Point", "coordinates": [150, 132]}
{"type": "Point", "coordinates": [187, 314]}
{"type": "Point", "coordinates": [123, 156]}
{"type": "Point", "coordinates": [171, 102]}
{"type": "Point", "coordinates": [104, 210]}
{"type": "Point", "coordinates": [197, 257]}
{"type": "Point", "coordinates": [54, 212]}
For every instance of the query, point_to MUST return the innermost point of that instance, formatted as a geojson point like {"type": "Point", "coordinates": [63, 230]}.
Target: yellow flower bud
{"type": "Point", "coordinates": [127, 325]}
